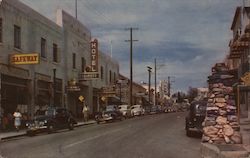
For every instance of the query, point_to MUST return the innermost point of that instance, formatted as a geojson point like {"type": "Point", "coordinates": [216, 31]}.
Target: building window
{"type": "Point", "coordinates": [74, 60]}
{"type": "Point", "coordinates": [110, 76]}
{"type": "Point", "coordinates": [83, 64]}
{"type": "Point", "coordinates": [102, 72]}
{"type": "Point", "coordinates": [1, 30]}
{"type": "Point", "coordinates": [17, 37]}
{"type": "Point", "coordinates": [55, 53]}
{"type": "Point", "coordinates": [43, 47]}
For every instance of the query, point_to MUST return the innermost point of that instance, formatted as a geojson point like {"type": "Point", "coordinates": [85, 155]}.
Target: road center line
{"type": "Point", "coordinates": [91, 138]}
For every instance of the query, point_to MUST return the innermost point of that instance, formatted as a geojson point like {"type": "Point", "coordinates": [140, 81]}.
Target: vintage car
{"type": "Point", "coordinates": [125, 110]}
{"type": "Point", "coordinates": [137, 110]}
{"type": "Point", "coordinates": [54, 118]}
{"type": "Point", "coordinates": [195, 117]}
{"type": "Point", "coordinates": [109, 115]}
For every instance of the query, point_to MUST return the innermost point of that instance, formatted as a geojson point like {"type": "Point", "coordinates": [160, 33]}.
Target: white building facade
{"type": "Point", "coordinates": [40, 60]}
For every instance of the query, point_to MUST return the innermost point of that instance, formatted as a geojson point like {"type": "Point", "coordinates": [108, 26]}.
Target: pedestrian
{"type": "Point", "coordinates": [17, 119]}
{"type": "Point", "coordinates": [5, 122]}
{"type": "Point", "coordinates": [85, 113]}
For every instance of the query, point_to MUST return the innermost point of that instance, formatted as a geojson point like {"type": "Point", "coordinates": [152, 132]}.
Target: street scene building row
{"type": "Point", "coordinates": [45, 63]}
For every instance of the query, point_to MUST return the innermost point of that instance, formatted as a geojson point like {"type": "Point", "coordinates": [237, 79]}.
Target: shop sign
{"type": "Point", "coordinates": [94, 55]}
{"type": "Point", "coordinates": [246, 79]}
{"type": "Point", "coordinates": [21, 59]}
{"type": "Point", "coordinates": [72, 86]}
{"type": "Point", "coordinates": [88, 76]}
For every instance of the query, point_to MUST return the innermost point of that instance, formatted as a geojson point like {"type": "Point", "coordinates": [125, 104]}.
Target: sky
{"type": "Point", "coordinates": [187, 37]}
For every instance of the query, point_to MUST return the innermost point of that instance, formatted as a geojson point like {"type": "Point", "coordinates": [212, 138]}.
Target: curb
{"type": "Point", "coordinates": [84, 124]}
{"type": "Point", "coordinates": [213, 151]}
{"type": "Point", "coordinates": [24, 134]}
{"type": "Point", "coordinates": [13, 136]}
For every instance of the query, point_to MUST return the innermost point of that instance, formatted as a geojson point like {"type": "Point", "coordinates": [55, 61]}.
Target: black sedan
{"type": "Point", "coordinates": [109, 115]}
{"type": "Point", "coordinates": [195, 117]}
{"type": "Point", "coordinates": [53, 119]}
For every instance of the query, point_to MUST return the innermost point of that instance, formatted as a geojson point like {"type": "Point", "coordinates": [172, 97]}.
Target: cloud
{"type": "Point", "coordinates": [188, 37]}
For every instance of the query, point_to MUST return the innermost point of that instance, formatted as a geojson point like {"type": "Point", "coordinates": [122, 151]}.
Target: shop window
{"type": "Point", "coordinates": [102, 72]}
{"type": "Point", "coordinates": [74, 60]}
{"type": "Point", "coordinates": [83, 64]}
{"type": "Point", "coordinates": [1, 30]}
{"type": "Point", "coordinates": [43, 47]}
{"type": "Point", "coordinates": [55, 53]}
{"type": "Point", "coordinates": [17, 37]}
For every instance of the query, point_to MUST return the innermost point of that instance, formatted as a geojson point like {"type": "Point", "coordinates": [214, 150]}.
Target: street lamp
{"type": "Point", "coordinates": [119, 82]}
{"type": "Point", "coordinates": [54, 87]}
{"type": "Point", "coordinates": [149, 82]}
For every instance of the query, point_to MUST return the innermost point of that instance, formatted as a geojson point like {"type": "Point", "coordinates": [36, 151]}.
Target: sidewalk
{"type": "Point", "coordinates": [15, 134]}
{"type": "Point", "coordinates": [230, 150]}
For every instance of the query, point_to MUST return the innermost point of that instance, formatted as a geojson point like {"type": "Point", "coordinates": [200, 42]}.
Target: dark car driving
{"type": "Point", "coordinates": [195, 117]}
{"type": "Point", "coordinates": [109, 115]}
{"type": "Point", "coordinates": [54, 118]}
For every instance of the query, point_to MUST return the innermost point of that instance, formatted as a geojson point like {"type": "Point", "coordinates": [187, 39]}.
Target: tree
{"type": "Point", "coordinates": [192, 93]}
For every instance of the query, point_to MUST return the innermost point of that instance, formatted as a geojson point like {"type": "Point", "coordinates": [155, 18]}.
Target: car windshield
{"type": "Point", "coordinates": [110, 108]}
{"type": "Point", "coordinates": [122, 107]}
{"type": "Point", "coordinates": [200, 108]}
{"type": "Point", "coordinates": [50, 112]}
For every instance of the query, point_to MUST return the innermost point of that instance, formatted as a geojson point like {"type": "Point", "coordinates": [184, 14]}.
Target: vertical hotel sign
{"type": "Point", "coordinates": [92, 70]}
{"type": "Point", "coordinates": [94, 55]}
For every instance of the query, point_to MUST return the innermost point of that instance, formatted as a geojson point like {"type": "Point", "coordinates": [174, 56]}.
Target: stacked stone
{"type": "Point", "coordinates": [221, 123]}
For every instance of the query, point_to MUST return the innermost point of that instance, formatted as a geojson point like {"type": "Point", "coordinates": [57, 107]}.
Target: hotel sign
{"type": "Point", "coordinates": [88, 76]}
{"type": "Point", "coordinates": [22, 59]}
{"type": "Point", "coordinates": [94, 55]}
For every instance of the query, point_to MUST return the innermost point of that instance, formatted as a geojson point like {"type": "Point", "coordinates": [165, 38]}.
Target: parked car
{"type": "Point", "coordinates": [155, 109]}
{"type": "Point", "coordinates": [54, 118]}
{"type": "Point", "coordinates": [137, 110]}
{"type": "Point", "coordinates": [109, 115]}
{"type": "Point", "coordinates": [147, 110]}
{"type": "Point", "coordinates": [195, 117]}
{"type": "Point", "coordinates": [125, 110]}
{"type": "Point", "coordinates": [168, 109]}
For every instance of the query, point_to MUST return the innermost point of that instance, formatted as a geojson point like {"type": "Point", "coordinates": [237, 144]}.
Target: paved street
{"type": "Point", "coordinates": [152, 136]}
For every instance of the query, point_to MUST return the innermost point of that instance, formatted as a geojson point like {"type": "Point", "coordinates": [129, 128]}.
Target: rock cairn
{"type": "Point", "coordinates": [221, 123]}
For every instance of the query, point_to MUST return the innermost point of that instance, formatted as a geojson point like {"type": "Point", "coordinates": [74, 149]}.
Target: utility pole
{"type": "Point", "coordinates": [76, 8]}
{"type": "Point", "coordinates": [131, 64]}
{"type": "Point", "coordinates": [169, 84]}
{"type": "Point", "coordinates": [149, 83]}
{"type": "Point", "coordinates": [155, 102]}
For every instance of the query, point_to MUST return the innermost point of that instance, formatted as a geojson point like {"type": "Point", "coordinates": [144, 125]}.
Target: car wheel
{"type": "Point", "coordinates": [71, 125]}
{"type": "Point", "coordinates": [30, 133]}
{"type": "Point", "coordinates": [122, 118]}
{"type": "Point", "coordinates": [51, 128]}
{"type": "Point", "coordinates": [188, 132]}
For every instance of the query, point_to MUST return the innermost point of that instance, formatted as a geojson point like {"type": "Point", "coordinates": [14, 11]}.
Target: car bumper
{"type": "Point", "coordinates": [105, 119]}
